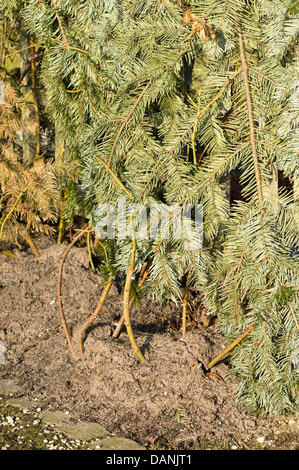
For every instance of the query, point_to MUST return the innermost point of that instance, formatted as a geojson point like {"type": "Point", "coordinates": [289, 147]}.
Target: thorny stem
{"type": "Point", "coordinates": [62, 317]}
{"type": "Point", "coordinates": [229, 348]}
{"type": "Point", "coordinates": [128, 283]}
{"type": "Point", "coordinates": [95, 314]}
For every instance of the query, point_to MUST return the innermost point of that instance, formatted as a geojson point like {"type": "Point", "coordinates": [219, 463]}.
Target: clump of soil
{"type": "Point", "coordinates": [166, 403]}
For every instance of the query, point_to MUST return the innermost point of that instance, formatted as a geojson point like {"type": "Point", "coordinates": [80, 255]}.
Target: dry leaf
{"type": "Point", "coordinates": [205, 30]}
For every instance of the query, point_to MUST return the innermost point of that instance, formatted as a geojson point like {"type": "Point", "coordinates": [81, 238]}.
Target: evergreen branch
{"type": "Point", "coordinates": [294, 315]}
{"type": "Point", "coordinates": [250, 113]}
{"type": "Point", "coordinates": [236, 278]}
{"type": "Point", "coordinates": [60, 24]}
{"type": "Point", "coordinates": [272, 377]}
{"type": "Point", "coordinates": [223, 14]}
{"type": "Point", "coordinates": [194, 131]}
{"type": "Point", "coordinates": [115, 177]}
{"type": "Point", "coordinates": [126, 121]}
{"type": "Point", "coordinates": [266, 77]}
{"type": "Point", "coordinates": [222, 164]}
{"type": "Point", "coordinates": [206, 108]}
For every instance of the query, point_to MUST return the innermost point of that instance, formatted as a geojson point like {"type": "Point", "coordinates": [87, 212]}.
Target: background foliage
{"type": "Point", "coordinates": [158, 102]}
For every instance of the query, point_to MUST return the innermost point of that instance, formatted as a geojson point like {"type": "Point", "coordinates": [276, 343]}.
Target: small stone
{"type": "Point", "coordinates": [260, 440]}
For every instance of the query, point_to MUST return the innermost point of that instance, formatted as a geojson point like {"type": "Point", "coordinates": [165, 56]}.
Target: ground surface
{"type": "Point", "coordinates": [166, 403]}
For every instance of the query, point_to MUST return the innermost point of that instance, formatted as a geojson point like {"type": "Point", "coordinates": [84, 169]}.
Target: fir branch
{"type": "Point", "coordinates": [250, 113]}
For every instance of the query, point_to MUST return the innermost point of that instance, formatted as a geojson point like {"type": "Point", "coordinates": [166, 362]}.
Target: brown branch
{"type": "Point", "coordinates": [32, 245]}
{"type": "Point", "coordinates": [142, 278]}
{"type": "Point", "coordinates": [35, 56]}
{"type": "Point", "coordinates": [184, 315]}
{"type": "Point", "coordinates": [62, 317]}
{"type": "Point", "coordinates": [95, 314]}
{"type": "Point", "coordinates": [229, 348]}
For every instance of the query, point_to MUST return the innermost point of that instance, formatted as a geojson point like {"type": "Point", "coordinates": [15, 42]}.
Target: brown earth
{"type": "Point", "coordinates": [165, 403]}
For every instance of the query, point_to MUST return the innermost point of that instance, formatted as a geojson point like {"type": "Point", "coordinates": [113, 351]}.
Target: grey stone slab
{"type": "Point", "coordinates": [22, 403]}
{"type": "Point", "coordinates": [115, 443]}
{"type": "Point", "coordinates": [8, 386]}
{"type": "Point", "coordinates": [83, 430]}
{"type": "Point", "coordinates": [52, 417]}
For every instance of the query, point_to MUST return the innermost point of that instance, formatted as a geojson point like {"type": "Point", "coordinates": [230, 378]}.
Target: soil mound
{"type": "Point", "coordinates": [166, 403]}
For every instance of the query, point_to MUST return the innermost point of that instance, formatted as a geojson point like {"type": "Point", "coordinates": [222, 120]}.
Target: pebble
{"type": "Point", "coordinates": [260, 440]}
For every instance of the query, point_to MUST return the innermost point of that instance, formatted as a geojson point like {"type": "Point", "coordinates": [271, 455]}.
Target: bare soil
{"type": "Point", "coordinates": [168, 402]}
